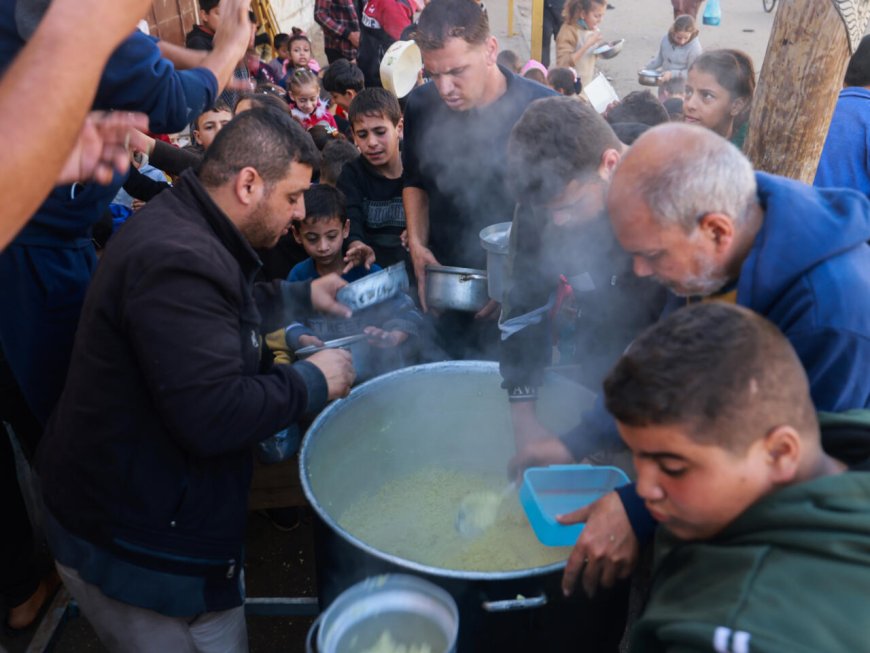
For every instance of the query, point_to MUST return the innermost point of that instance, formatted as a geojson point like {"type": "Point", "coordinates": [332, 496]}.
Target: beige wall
{"type": "Point", "coordinates": [294, 13]}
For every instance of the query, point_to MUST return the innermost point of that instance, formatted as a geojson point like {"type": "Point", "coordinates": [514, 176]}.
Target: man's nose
{"type": "Point", "coordinates": [641, 267]}
{"type": "Point", "coordinates": [444, 85]}
{"type": "Point", "coordinates": [298, 210]}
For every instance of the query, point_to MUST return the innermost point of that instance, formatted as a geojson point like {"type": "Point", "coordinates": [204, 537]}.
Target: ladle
{"type": "Point", "coordinates": [479, 510]}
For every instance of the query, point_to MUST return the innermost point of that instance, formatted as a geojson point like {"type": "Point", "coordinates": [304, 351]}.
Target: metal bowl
{"type": "Point", "coordinates": [374, 288]}
{"type": "Point", "coordinates": [456, 289]}
{"type": "Point", "coordinates": [609, 50]}
{"type": "Point", "coordinates": [648, 77]}
{"type": "Point", "coordinates": [360, 350]}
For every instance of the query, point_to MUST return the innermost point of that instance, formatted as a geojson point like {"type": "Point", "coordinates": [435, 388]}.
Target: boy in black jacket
{"type": "Point", "coordinates": [373, 183]}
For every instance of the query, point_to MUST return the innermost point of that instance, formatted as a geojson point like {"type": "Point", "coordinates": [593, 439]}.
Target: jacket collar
{"type": "Point", "coordinates": [227, 233]}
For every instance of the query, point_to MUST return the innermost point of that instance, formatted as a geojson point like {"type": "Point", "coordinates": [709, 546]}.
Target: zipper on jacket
{"type": "Point", "coordinates": [231, 570]}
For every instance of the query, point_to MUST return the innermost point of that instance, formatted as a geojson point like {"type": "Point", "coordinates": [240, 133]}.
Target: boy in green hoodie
{"type": "Point", "coordinates": [765, 543]}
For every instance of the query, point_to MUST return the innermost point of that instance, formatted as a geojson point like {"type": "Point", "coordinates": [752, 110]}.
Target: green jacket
{"type": "Point", "coordinates": [790, 575]}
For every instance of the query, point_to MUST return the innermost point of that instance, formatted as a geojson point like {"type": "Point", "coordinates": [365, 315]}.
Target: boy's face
{"type": "Point", "coordinates": [208, 126]}
{"type": "Point", "coordinates": [322, 239]}
{"type": "Point", "coordinates": [343, 99]}
{"type": "Point", "coordinates": [695, 490]}
{"type": "Point", "coordinates": [377, 139]}
{"type": "Point", "coordinates": [284, 51]}
{"type": "Point", "coordinates": [211, 19]}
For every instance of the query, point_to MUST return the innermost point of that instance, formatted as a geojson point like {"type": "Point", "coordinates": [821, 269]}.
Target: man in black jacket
{"type": "Point", "coordinates": [146, 461]}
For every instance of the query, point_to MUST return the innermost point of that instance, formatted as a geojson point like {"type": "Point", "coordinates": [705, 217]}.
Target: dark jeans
{"type": "Point", "coordinates": [333, 55]}
{"type": "Point", "coordinates": [19, 574]}
{"type": "Point", "coordinates": [551, 24]}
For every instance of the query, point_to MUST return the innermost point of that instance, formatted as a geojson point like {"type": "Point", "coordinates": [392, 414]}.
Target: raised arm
{"type": "Point", "coordinates": [40, 139]}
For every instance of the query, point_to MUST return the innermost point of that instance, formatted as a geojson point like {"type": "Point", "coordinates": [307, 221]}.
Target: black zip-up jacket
{"type": "Point", "coordinates": [148, 452]}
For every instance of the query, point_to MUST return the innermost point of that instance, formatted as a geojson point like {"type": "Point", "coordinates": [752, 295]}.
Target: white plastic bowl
{"type": "Point", "coordinates": [400, 66]}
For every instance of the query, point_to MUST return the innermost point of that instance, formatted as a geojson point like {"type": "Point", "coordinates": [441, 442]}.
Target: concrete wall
{"type": "Point", "coordinates": [294, 13]}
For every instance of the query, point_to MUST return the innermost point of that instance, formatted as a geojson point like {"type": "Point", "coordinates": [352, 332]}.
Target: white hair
{"type": "Point", "coordinates": [713, 176]}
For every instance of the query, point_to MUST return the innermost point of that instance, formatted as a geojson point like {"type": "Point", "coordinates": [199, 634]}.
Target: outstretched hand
{"type": "Point", "coordinates": [358, 253]}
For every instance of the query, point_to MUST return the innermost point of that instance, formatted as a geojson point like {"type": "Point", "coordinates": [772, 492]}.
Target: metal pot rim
{"type": "Point", "coordinates": [447, 269]}
{"type": "Point", "coordinates": [362, 390]}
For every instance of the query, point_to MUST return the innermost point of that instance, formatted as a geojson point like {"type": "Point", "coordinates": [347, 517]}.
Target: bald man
{"type": "Point", "coordinates": [687, 207]}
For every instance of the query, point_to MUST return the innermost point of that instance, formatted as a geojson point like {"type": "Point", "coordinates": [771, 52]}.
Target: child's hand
{"type": "Point", "coordinates": [403, 238]}
{"type": "Point", "coordinates": [310, 341]}
{"type": "Point", "coordinates": [380, 338]}
{"type": "Point", "coordinates": [358, 254]}
{"type": "Point", "coordinates": [665, 77]}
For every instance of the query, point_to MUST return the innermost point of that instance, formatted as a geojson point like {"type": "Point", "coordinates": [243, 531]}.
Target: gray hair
{"type": "Point", "coordinates": [713, 176]}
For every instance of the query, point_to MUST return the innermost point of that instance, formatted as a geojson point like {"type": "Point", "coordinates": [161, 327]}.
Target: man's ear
{"type": "Point", "coordinates": [607, 165]}
{"type": "Point", "coordinates": [784, 447]}
{"type": "Point", "coordinates": [248, 186]}
{"type": "Point", "coordinates": [491, 45]}
{"type": "Point", "coordinates": [718, 228]}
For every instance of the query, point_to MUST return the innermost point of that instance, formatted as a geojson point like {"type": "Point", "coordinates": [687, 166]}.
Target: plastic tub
{"type": "Point", "coordinates": [400, 66]}
{"type": "Point", "coordinates": [560, 489]}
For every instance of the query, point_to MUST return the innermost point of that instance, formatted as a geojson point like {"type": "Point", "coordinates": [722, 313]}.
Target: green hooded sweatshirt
{"type": "Point", "coordinates": [790, 575]}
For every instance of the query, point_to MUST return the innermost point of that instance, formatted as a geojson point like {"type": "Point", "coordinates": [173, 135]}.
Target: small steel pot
{"type": "Point", "coordinates": [360, 350]}
{"type": "Point", "coordinates": [609, 50]}
{"type": "Point", "coordinates": [413, 611]}
{"type": "Point", "coordinates": [648, 77]}
{"type": "Point", "coordinates": [457, 289]}
{"type": "Point", "coordinates": [374, 288]}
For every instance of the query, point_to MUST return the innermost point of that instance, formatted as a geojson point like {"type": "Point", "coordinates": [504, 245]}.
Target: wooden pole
{"type": "Point", "coordinates": [511, 10]}
{"type": "Point", "coordinates": [538, 28]}
{"type": "Point", "coordinates": [801, 78]}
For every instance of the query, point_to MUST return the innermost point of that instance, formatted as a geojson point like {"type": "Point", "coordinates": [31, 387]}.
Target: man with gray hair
{"type": "Point", "coordinates": [685, 204]}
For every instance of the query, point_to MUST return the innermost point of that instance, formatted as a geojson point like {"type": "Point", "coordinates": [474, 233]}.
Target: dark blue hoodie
{"type": "Point", "coordinates": [809, 273]}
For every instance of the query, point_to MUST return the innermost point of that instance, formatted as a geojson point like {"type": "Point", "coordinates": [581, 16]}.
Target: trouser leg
{"type": "Point", "coordinates": [125, 628]}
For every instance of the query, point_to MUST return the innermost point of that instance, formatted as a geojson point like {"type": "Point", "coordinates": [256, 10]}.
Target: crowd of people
{"type": "Point", "coordinates": [154, 306]}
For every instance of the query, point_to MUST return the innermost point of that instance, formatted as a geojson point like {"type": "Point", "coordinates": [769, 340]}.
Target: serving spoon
{"type": "Point", "coordinates": [479, 510]}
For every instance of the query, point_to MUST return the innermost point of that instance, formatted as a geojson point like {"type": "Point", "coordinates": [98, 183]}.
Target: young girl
{"type": "Point", "coordinates": [307, 107]}
{"type": "Point", "coordinates": [677, 52]}
{"type": "Point", "coordinates": [579, 36]}
{"type": "Point", "coordinates": [299, 48]}
{"type": "Point", "coordinates": [719, 89]}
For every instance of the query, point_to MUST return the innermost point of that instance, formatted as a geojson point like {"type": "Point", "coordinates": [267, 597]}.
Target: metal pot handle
{"type": "Point", "coordinates": [508, 605]}
{"type": "Point", "coordinates": [472, 277]}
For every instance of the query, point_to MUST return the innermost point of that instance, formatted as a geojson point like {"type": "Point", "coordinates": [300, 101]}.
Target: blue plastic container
{"type": "Point", "coordinates": [560, 489]}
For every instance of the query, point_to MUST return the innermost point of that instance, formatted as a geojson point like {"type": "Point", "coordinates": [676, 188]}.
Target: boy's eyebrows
{"type": "Point", "coordinates": [660, 455]}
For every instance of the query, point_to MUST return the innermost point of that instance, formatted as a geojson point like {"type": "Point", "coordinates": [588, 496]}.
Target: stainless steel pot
{"type": "Point", "coordinates": [457, 289]}
{"type": "Point", "coordinates": [454, 414]}
{"type": "Point", "coordinates": [408, 610]}
{"type": "Point", "coordinates": [648, 77]}
{"type": "Point", "coordinates": [374, 288]}
{"type": "Point", "coordinates": [495, 239]}
{"type": "Point", "coordinates": [360, 350]}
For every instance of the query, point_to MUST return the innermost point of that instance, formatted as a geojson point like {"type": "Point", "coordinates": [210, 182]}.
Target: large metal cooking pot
{"type": "Point", "coordinates": [454, 414]}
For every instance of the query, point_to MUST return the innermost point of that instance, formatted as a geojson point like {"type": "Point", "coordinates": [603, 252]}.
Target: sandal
{"type": "Point", "coordinates": [33, 607]}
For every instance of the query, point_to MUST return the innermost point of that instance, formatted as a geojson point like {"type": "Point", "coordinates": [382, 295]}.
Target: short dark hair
{"type": "Point", "coordinates": [555, 141]}
{"type": "Point", "coordinates": [264, 139]}
{"type": "Point", "coordinates": [220, 105]}
{"type": "Point", "coordinates": [342, 76]}
{"type": "Point", "coordinates": [564, 80]}
{"type": "Point", "coordinates": [208, 5]}
{"type": "Point", "coordinates": [335, 155]}
{"type": "Point", "coordinates": [858, 70]}
{"type": "Point", "coordinates": [639, 106]}
{"type": "Point", "coordinates": [264, 99]}
{"type": "Point", "coordinates": [724, 373]}
{"type": "Point", "coordinates": [444, 19]}
{"type": "Point", "coordinates": [629, 132]}
{"type": "Point", "coordinates": [324, 202]}
{"type": "Point", "coordinates": [377, 102]}
{"type": "Point", "coordinates": [509, 59]}
{"type": "Point", "coordinates": [536, 75]}
{"type": "Point", "coordinates": [280, 39]}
